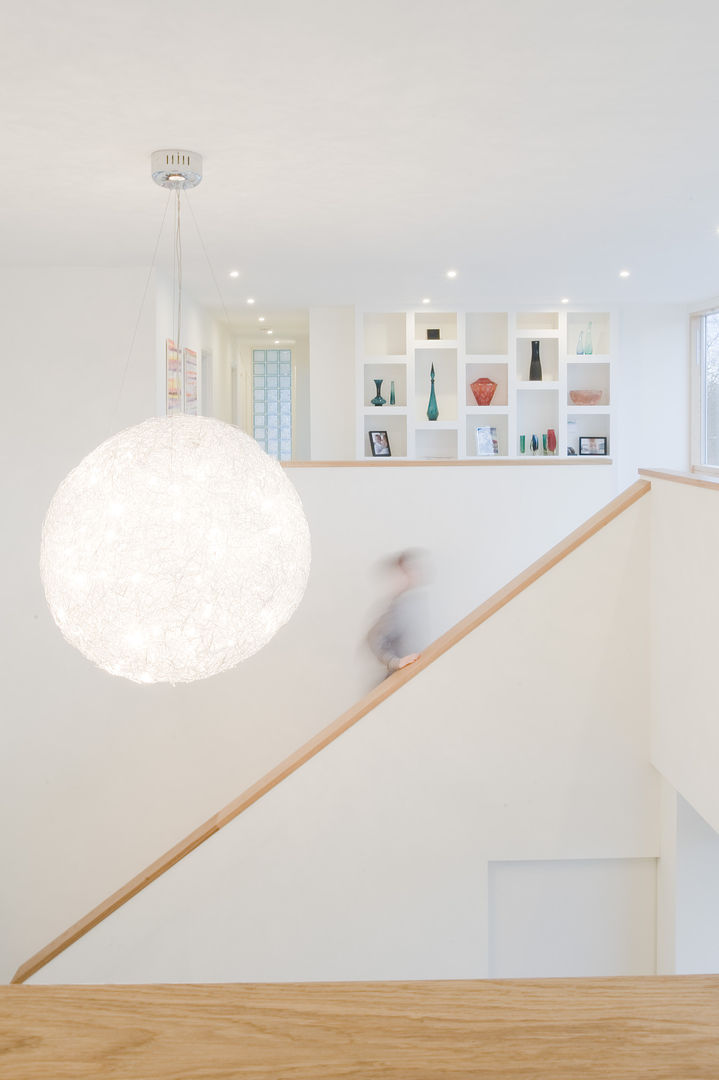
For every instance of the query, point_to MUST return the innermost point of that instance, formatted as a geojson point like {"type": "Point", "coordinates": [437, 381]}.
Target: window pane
{"type": "Point", "coordinates": [711, 389]}
{"type": "Point", "coordinates": [272, 395]}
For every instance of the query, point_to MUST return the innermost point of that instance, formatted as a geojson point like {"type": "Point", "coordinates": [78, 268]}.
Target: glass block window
{"type": "Point", "coordinates": [272, 401]}
{"type": "Point", "coordinates": [708, 348]}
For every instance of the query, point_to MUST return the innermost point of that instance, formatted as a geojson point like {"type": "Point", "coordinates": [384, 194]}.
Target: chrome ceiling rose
{"type": "Point", "coordinates": [176, 169]}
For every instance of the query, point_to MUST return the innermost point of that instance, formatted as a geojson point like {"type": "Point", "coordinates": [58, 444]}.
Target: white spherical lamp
{"type": "Point", "coordinates": [174, 550]}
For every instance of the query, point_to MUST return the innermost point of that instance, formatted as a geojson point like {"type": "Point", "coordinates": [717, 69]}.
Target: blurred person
{"type": "Point", "coordinates": [402, 632]}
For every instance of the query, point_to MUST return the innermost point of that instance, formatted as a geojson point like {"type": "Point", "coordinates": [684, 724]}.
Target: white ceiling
{"type": "Point", "coordinates": [355, 151]}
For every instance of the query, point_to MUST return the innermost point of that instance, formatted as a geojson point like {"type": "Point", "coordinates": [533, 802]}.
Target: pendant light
{"type": "Point", "coordinates": [178, 547]}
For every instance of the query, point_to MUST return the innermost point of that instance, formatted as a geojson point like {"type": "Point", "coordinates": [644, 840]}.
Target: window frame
{"type": "Point", "coordinates": [697, 354]}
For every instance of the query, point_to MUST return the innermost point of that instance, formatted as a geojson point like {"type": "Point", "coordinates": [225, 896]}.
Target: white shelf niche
{"type": "Point", "coordinates": [588, 425]}
{"type": "Point", "coordinates": [487, 333]}
{"type": "Point", "coordinates": [548, 355]}
{"type": "Point", "coordinates": [578, 322]}
{"type": "Point", "coordinates": [585, 376]}
{"type": "Point", "coordinates": [433, 443]}
{"type": "Point", "coordinates": [529, 321]}
{"type": "Point", "coordinates": [537, 413]}
{"type": "Point", "coordinates": [498, 373]}
{"type": "Point", "coordinates": [486, 418]}
{"type": "Point", "coordinates": [444, 321]}
{"type": "Point", "coordinates": [394, 425]}
{"type": "Point", "coordinates": [385, 333]}
{"type": "Point", "coordinates": [445, 384]}
{"type": "Point", "coordinates": [389, 373]}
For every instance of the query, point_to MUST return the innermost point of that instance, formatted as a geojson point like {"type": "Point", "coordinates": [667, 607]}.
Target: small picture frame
{"type": "Point", "coordinates": [592, 445]}
{"type": "Point", "coordinates": [486, 441]}
{"type": "Point", "coordinates": [379, 444]}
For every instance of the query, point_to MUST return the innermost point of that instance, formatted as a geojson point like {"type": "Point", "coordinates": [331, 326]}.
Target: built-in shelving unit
{"type": "Point", "coordinates": [401, 348]}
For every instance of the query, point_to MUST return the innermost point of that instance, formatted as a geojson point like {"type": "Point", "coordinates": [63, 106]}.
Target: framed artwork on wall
{"type": "Point", "coordinates": [173, 405]}
{"type": "Point", "coordinates": [189, 381]}
{"type": "Point", "coordinates": [379, 444]}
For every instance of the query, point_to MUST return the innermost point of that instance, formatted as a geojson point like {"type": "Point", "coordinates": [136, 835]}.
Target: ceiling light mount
{"type": "Point", "coordinates": [176, 168]}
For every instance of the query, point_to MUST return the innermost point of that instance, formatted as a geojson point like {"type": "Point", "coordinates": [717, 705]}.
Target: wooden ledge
{"type": "Point", "coordinates": [693, 478]}
{"type": "Point", "coordinates": [544, 1029]}
{"type": "Point", "coordinates": [454, 463]}
{"type": "Point", "coordinates": [328, 734]}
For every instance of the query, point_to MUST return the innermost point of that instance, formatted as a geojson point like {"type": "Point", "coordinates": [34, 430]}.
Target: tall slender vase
{"type": "Point", "coordinates": [392, 399]}
{"type": "Point", "coordinates": [379, 400]}
{"type": "Point", "coordinates": [432, 410]}
{"type": "Point", "coordinates": [588, 341]}
{"type": "Point", "coordinates": [535, 367]}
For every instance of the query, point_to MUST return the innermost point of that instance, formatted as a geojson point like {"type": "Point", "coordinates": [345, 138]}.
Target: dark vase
{"type": "Point", "coordinates": [379, 400]}
{"type": "Point", "coordinates": [535, 367]}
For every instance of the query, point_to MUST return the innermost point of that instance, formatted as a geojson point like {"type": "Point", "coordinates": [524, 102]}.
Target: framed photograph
{"type": "Point", "coordinates": [592, 444]}
{"type": "Point", "coordinates": [486, 441]}
{"type": "Point", "coordinates": [379, 444]}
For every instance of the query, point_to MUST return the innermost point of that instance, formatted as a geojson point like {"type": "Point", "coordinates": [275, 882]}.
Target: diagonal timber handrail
{"type": "Point", "coordinates": [328, 734]}
{"type": "Point", "coordinates": [694, 479]}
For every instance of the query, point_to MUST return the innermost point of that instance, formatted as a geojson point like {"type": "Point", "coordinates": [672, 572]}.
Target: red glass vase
{"type": "Point", "coordinates": [483, 390]}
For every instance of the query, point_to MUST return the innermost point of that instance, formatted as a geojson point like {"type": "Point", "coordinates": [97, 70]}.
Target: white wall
{"type": "Point", "coordinates": [685, 637]}
{"type": "Point", "coordinates": [110, 774]}
{"type": "Point", "coordinates": [563, 919]}
{"type": "Point", "coordinates": [526, 741]}
{"type": "Point", "coordinates": [650, 391]}
{"type": "Point", "coordinates": [97, 776]}
{"type": "Point", "coordinates": [697, 894]}
{"type": "Point", "coordinates": [332, 383]}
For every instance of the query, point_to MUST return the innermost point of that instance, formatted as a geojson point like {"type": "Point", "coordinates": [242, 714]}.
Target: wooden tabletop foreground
{"type": "Point", "coordinates": [558, 1029]}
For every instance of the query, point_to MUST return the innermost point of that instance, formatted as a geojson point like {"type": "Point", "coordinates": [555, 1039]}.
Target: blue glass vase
{"type": "Point", "coordinates": [432, 410]}
{"type": "Point", "coordinates": [378, 400]}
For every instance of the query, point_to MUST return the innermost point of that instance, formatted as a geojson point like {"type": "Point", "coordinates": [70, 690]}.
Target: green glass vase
{"type": "Point", "coordinates": [432, 410]}
{"type": "Point", "coordinates": [378, 400]}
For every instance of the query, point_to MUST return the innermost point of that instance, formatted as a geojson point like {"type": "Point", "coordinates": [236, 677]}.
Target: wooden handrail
{"type": "Point", "coordinates": [518, 1029]}
{"type": "Point", "coordinates": [694, 479]}
{"type": "Point", "coordinates": [328, 734]}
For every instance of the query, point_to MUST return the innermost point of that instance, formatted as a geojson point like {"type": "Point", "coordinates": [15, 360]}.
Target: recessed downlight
{"type": "Point", "coordinates": [451, 273]}
{"type": "Point", "coordinates": [234, 273]}
{"type": "Point", "coordinates": [270, 331]}
{"type": "Point", "coordinates": [261, 318]}
{"type": "Point", "coordinates": [426, 300]}
{"type": "Point", "coordinates": [564, 300]}
{"type": "Point", "coordinates": [624, 273]}
{"type": "Point", "coordinates": [250, 299]}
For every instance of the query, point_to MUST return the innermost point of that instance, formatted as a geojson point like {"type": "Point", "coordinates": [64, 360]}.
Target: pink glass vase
{"type": "Point", "coordinates": [483, 390]}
